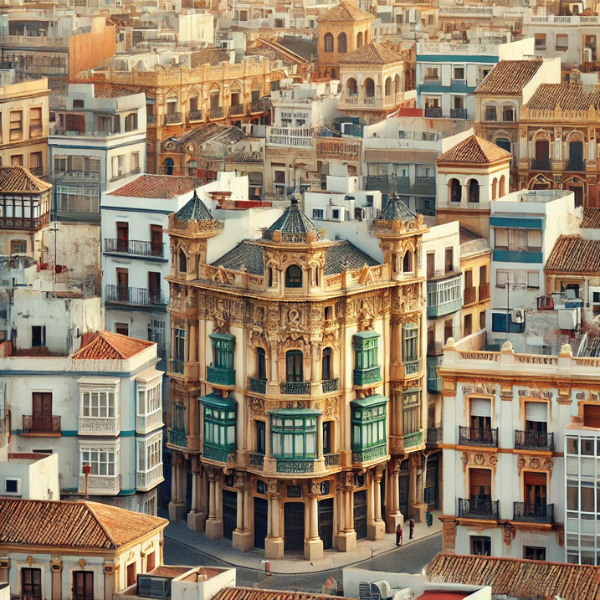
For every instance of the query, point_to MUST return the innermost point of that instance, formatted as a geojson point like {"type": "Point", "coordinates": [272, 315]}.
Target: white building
{"type": "Point", "coordinates": [98, 143]}
{"type": "Point", "coordinates": [101, 406]}
{"type": "Point", "coordinates": [30, 476]}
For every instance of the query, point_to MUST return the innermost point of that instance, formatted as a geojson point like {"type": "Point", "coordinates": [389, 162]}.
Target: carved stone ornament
{"type": "Point", "coordinates": [520, 464]}
{"type": "Point", "coordinates": [272, 487]}
{"type": "Point", "coordinates": [479, 459]}
{"type": "Point", "coordinates": [449, 535]}
{"type": "Point", "coordinates": [221, 319]}
{"type": "Point", "coordinates": [316, 488]}
{"type": "Point", "coordinates": [257, 406]}
{"type": "Point", "coordinates": [508, 535]}
{"type": "Point", "coordinates": [548, 464]}
{"type": "Point", "coordinates": [534, 463]}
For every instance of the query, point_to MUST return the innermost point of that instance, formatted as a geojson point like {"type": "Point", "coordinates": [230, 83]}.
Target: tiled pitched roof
{"type": "Point", "coordinates": [509, 77]}
{"type": "Point", "coordinates": [373, 54]}
{"type": "Point", "coordinates": [573, 254]}
{"type": "Point", "coordinates": [194, 210]}
{"type": "Point", "coordinates": [291, 222]}
{"type": "Point", "coordinates": [20, 179]}
{"type": "Point", "coordinates": [396, 210]}
{"type": "Point", "coordinates": [591, 218]}
{"type": "Point", "coordinates": [550, 96]}
{"type": "Point", "coordinates": [247, 255]}
{"type": "Point", "coordinates": [241, 593]}
{"type": "Point", "coordinates": [517, 577]}
{"type": "Point", "coordinates": [345, 12]}
{"type": "Point", "coordinates": [158, 186]}
{"type": "Point", "coordinates": [209, 56]}
{"type": "Point", "coordinates": [213, 131]}
{"type": "Point", "coordinates": [343, 254]}
{"type": "Point", "coordinates": [77, 524]}
{"type": "Point", "coordinates": [106, 345]}
{"type": "Point", "coordinates": [476, 151]}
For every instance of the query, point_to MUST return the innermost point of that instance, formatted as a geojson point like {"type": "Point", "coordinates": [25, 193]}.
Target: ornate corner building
{"type": "Point", "coordinates": [297, 377]}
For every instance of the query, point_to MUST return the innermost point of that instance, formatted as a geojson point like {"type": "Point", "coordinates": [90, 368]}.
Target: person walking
{"type": "Point", "coordinates": [411, 527]}
{"type": "Point", "coordinates": [399, 535]}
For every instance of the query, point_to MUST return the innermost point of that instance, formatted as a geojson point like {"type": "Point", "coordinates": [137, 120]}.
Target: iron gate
{"type": "Point", "coordinates": [293, 526]}
{"type": "Point", "coordinates": [229, 513]}
{"type": "Point", "coordinates": [360, 514]}
{"type": "Point", "coordinates": [326, 523]}
{"type": "Point", "coordinates": [261, 519]}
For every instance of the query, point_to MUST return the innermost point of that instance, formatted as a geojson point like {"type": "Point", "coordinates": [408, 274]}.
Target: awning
{"type": "Point", "coordinates": [374, 400]}
{"type": "Point", "coordinates": [219, 402]}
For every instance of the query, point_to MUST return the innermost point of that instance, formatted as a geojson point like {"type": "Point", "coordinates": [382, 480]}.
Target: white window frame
{"type": "Point", "coordinates": [147, 449]}
{"type": "Point", "coordinates": [108, 449]}
{"type": "Point", "coordinates": [144, 390]}
{"type": "Point", "coordinates": [112, 390]}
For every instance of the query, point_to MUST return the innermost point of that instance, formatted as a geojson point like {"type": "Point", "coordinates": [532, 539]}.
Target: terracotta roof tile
{"type": "Point", "coordinates": [517, 577]}
{"type": "Point", "coordinates": [373, 54]}
{"type": "Point", "coordinates": [345, 12]}
{"type": "Point", "coordinates": [209, 56]}
{"type": "Point", "coordinates": [158, 186]}
{"type": "Point", "coordinates": [476, 151]}
{"type": "Point", "coordinates": [241, 593]}
{"type": "Point", "coordinates": [573, 254]}
{"type": "Point", "coordinates": [509, 77]}
{"type": "Point", "coordinates": [224, 134]}
{"type": "Point", "coordinates": [111, 346]}
{"type": "Point", "coordinates": [550, 96]}
{"type": "Point", "coordinates": [77, 524]}
{"type": "Point", "coordinates": [591, 218]}
{"type": "Point", "coordinates": [19, 179]}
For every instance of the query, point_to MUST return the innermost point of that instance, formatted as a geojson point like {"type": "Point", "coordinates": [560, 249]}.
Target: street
{"type": "Point", "coordinates": [411, 558]}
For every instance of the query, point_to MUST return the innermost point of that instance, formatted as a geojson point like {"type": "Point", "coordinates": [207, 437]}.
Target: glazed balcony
{"type": "Point", "coordinates": [146, 480]}
{"type": "Point", "coordinates": [99, 426]}
{"type": "Point", "coordinates": [135, 248]}
{"type": "Point", "coordinates": [477, 508]}
{"type": "Point", "coordinates": [444, 294]}
{"type": "Point", "coordinates": [434, 382]}
{"type": "Point", "coordinates": [365, 377]}
{"type": "Point", "coordinates": [534, 440]}
{"type": "Point", "coordinates": [434, 436]}
{"type": "Point", "coordinates": [41, 425]}
{"type": "Point", "coordinates": [258, 386]}
{"type": "Point", "coordinates": [529, 512]}
{"type": "Point", "coordinates": [475, 436]}
{"type": "Point", "coordinates": [369, 454]}
{"type": "Point", "coordinates": [177, 438]}
{"type": "Point", "coordinates": [218, 454]}
{"type": "Point", "coordinates": [146, 423]}
{"type": "Point", "coordinates": [100, 485]}
{"type": "Point", "coordinates": [223, 377]}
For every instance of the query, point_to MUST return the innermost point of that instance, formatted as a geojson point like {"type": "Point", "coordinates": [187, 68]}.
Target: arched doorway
{"type": "Point", "coordinates": [575, 162]}
{"type": "Point", "coordinates": [541, 162]}
{"type": "Point", "coordinates": [168, 166]}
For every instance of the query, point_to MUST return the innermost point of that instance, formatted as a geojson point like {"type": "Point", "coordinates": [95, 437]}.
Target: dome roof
{"type": "Point", "coordinates": [294, 226]}
{"type": "Point", "coordinates": [396, 210]}
{"type": "Point", "coordinates": [194, 210]}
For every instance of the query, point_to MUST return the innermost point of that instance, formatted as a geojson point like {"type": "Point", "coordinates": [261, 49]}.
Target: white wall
{"type": "Point", "coordinates": [39, 477]}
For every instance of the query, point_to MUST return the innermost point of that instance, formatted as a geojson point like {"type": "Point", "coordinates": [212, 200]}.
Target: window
{"type": "Point", "coordinates": [83, 585]}
{"type": "Point", "coordinates": [104, 125]}
{"type": "Point", "coordinates": [490, 113]}
{"type": "Point", "coordinates": [534, 240]}
{"type": "Point", "coordinates": [131, 123]}
{"type": "Point", "coordinates": [369, 200]}
{"type": "Point", "coordinates": [35, 122]}
{"type": "Point", "coordinates": [508, 114]}
{"type": "Point", "coordinates": [150, 399]}
{"type": "Point", "coordinates": [335, 213]}
{"type": "Point", "coordinates": [481, 546]}
{"type": "Point", "coordinates": [31, 584]}
{"type": "Point", "coordinates": [328, 42]}
{"type": "Point", "coordinates": [342, 43]}
{"type": "Point", "coordinates": [98, 404]}
{"type": "Point", "coordinates": [293, 277]}
{"type": "Point", "coordinates": [317, 213]}
{"type": "Point", "coordinates": [223, 345]}
{"type": "Point", "coordinates": [459, 73]}
{"type": "Point", "coordinates": [36, 163]}
{"type": "Point", "coordinates": [182, 262]}
{"type": "Point", "coordinates": [16, 160]}
{"type": "Point", "coordinates": [533, 280]}
{"type": "Point", "coordinates": [411, 418]}
{"type": "Point", "coordinates": [12, 486]}
{"type": "Point", "coordinates": [369, 86]}
{"type": "Point", "coordinates": [432, 73]}
{"type": "Point", "coordinates": [220, 418]}
{"type": "Point", "coordinates": [534, 553]}
{"type": "Point", "coordinates": [294, 366]}
{"type": "Point", "coordinates": [18, 246]}
{"type": "Point", "coordinates": [501, 238]}
{"type": "Point", "coordinates": [449, 264]}
{"type": "Point", "coordinates": [410, 342]}
{"type": "Point", "coordinates": [78, 104]}
{"type": "Point", "coordinates": [149, 453]}
{"type": "Point", "coordinates": [326, 365]}
{"type": "Point", "coordinates": [365, 350]}
{"type": "Point", "coordinates": [101, 460]}
{"type": "Point", "coordinates": [294, 434]}
{"type": "Point", "coordinates": [150, 559]}
{"type": "Point", "coordinates": [368, 422]}
{"type": "Point", "coordinates": [279, 177]}
{"type": "Point", "coordinates": [130, 574]}
{"type": "Point", "coordinates": [562, 41]}
{"type": "Point", "coordinates": [179, 344]}
{"type": "Point", "coordinates": [540, 41]}
{"type": "Point", "coordinates": [260, 428]}
{"type": "Point", "coordinates": [38, 336]}
{"type": "Point", "coordinates": [481, 413]}
{"type": "Point", "coordinates": [122, 328]}
{"type": "Point", "coordinates": [261, 364]}
{"type": "Point", "coordinates": [135, 162]}
{"type": "Point", "coordinates": [179, 418]}
{"type": "Point", "coordinates": [327, 437]}
{"type": "Point", "coordinates": [16, 125]}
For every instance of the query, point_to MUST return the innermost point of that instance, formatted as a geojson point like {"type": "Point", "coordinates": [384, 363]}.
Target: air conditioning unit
{"type": "Point", "coordinates": [518, 315]}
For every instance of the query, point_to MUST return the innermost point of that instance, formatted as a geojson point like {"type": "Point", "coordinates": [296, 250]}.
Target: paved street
{"type": "Point", "coordinates": [411, 558]}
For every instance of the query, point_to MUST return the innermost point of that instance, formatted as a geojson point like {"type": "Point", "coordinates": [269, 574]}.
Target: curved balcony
{"type": "Point", "coordinates": [369, 454]}
{"type": "Point", "coordinates": [330, 385]}
{"type": "Point", "coordinates": [295, 466]}
{"type": "Point", "coordinates": [224, 377]}
{"type": "Point", "coordinates": [218, 454]}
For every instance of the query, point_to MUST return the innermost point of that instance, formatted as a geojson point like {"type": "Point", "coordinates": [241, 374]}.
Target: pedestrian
{"type": "Point", "coordinates": [429, 518]}
{"type": "Point", "coordinates": [399, 535]}
{"type": "Point", "coordinates": [411, 527]}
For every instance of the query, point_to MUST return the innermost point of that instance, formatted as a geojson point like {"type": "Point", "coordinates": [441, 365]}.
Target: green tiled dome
{"type": "Point", "coordinates": [291, 223]}
{"type": "Point", "coordinates": [194, 210]}
{"type": "Point", "coordinates": [396, 210]}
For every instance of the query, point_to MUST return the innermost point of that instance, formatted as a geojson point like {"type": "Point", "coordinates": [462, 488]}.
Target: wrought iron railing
{"type": "Point", "coordinates": [177, 438]}
{"type": "Point", "coordinates": [434, 436]}
{"type": "Point", "coordinates": [295, 466]}
{"type": "Point", "coordinates": [259, 386]}
{"type": "Point", "coordinates": [196, 115]}
{"type": "Point", "coordinates": [220, 376]}
{"type": "Point", "coordinates": [534, 440]}
{"type": "Point", "coordinates": [330, 385]}
{"type": "Point", "coordinates": [217, 112]}
{"type": "Point", "coordinates": [477, 436]}
{"type": "Point", "coordinates": [575, 165]}
{"type": "Point", "coordinates": [332, 460]}
{"type": "Point", "coordinates": [257, 459]}
{"type": "Point", "coordinates": [175, 366]}
{"type": "Point", "coordinates": [458, 113]}
{"type": "Point", "coordinates": [433, 112]}
{"type": "Point", "coordinates": [540, 164]}
{"type": "Point", "coordinates": [218, 454]}
{"type": "Point", "coordinates": [135, 248]}
{"type": "Point", "coordinates": [41, 424]}
{"type": "Point", "coordinates": [530, 512]}
{"type": "Point", "coordinates": [135, 296]}
{"type": "Point", "coordinates": [369, 454]}
{"type": "Point", "coordinates": [151, 119]}
{"type": "Point", "coordinates": [367, 376]}
{"type": "Point", "coordinates": [478, 508]}
{"type": "Point", "coordinates": [172, 118]}
{"type": "Point", "coordinates": [295, 387]}
{"type": "Point", "coordinates": [239, 109]}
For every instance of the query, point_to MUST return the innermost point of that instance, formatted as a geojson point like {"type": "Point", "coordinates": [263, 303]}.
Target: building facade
{"type": "Point", "coordinates": [305, 407]}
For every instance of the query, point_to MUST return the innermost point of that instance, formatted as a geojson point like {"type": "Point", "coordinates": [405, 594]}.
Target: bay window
{"type": "Point", "coordinates": [98, 404]}
{"type": "Point", "coordinates": [294, 433]}
{"type": "Point", "coordinates": [368, 422]}
{"type": "Point", "coordinates": [410, 342]}
{"type": "Point", "coordinates": [411, 411]}
{"type": "Point", "coordinates": [220, 418]}
{"type": "Point", "coordinates": [102, 461]}
{"type": "Point", "coordinates": [149, 453]}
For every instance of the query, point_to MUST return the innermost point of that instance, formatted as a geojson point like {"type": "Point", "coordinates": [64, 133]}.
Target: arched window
{"type": "Point", "coordinates": [168, 166]}
{"type": "Point", "coordinates": [407, 262]}
{"type": "Point", "coordinates": [474, 191]}
{"type": "Point", "coordinates": [366, 37]}
{"type": "Point", "coordinates": [342, 43]}
{"type": "Point", "coordinates": [261, 364]}
{"type": "Point", "coordinates": [270, 277]}
{"type": "Point", "coordinates": [494, 188]}
{"type": "Point", "coordinates": [182, 262]}
{"type": "Point", "coordinates": [315, 273]}
{"type": "Point", "coordinates": [359, 39]}
{"type": "Point", "coordinates": [502, 184]}
{"type": "Point", "coordinates": [328, 40]}
{"type": "Point", "coordinates": [294, 366]}
{"type": "Point", "coordinates": [293, 277]}
{"type": "Point", "coordinates": [388, 86]}
{"type": "Point", "coordinates": [369, 88]}
{"type": "Point", "coordinates": [455, 190]}
{"type": "Point", "coordinates": [326, 365]}
{"type": "Point", "coordinates": [351, 87]}
{"type": "Point", "coordinates": [397, 83]}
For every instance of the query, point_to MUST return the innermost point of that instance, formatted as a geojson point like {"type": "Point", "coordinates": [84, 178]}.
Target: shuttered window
{"type": "Point", "coordinates": [591, 415]}
{"type": "Point", "coordinates": [530, 478]}
{"type": "Point", "coordinates": [481, 407]}
{"type": "Point", "coordinates": [536, 411]}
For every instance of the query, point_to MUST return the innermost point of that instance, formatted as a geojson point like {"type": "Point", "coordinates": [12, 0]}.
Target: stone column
{"type": "Point", "coordinates": [274, 542]}
{"type": "Point", "coordinates": [56, 567]}
{"type": "Point", "coordinates": [196, 517]}
{"type": "Point", "coordinates": [176, 504]}
{"type": "Point", "coordinates": [313, 545]}
{"type": "Point", "coordinates": [347, 537]}
{"type": "Point", "coordinates": [242, 536]}
{"type": "Point", "coordinates": [376, 526]}
{"type": "Point", "coordinates": [394, 516]}
{"type": "Point", "coordinates": [214, 525]}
